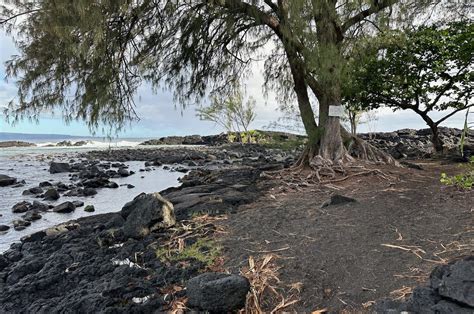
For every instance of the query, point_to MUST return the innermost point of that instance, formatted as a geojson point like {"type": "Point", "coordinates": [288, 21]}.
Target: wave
{"type": "Point", "coordinates": [89, 144]}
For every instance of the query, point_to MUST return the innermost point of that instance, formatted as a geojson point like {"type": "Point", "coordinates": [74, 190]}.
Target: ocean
{"type": "Point", "coordinates": [32, 165]}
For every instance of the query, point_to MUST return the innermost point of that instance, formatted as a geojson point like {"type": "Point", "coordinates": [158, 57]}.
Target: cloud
{"type": "Point", "coordinates": [159, 115]}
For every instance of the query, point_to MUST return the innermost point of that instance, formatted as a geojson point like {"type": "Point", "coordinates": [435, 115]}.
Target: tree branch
{"type": "Point", "coordinates": [452, 114]}
{"type": "Point", "coordinates": [376, 7]}
{"type": "Point", "coordinates": [6, 20]}
{"type": "Point", "coordinates": [250, 10]}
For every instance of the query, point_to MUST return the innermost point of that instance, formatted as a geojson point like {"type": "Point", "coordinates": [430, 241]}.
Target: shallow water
{"type": "Point", "coordinates": [31, 165]}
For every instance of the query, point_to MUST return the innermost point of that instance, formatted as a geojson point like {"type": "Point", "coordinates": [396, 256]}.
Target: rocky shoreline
{"type": "Point", "coordinates": [105, 262]}
{"type": "Point", "coordinates": [111, 262]}
{"type": "Point", "coordinates": [401, 144]}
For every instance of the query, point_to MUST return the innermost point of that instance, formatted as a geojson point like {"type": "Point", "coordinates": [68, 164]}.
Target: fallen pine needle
{"type": "Point", "coordinates": [270, 251]}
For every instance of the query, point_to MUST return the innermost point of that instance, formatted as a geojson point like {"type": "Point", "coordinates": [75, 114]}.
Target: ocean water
{"type": "Point", "coordinates": [32, 165]}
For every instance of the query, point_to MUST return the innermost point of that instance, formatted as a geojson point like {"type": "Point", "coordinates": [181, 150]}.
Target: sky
{"type": "Point", "coordinates": [159, 116]}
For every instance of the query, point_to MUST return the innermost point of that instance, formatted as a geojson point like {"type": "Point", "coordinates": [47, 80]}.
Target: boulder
{"type": "Point", "coordinates": [51, 195]}
{"type": "Point", "coordinates": [45, 184]}
{"type": "Point", "coordinates": [4, 228]}
{"type": "Point", "coordinates": [31, 215]}
{"type": "Point", "coordinates": [456, 282]}
{"type": "Point", "coordinates": [21, 207]}
{"type": "Point", "coordinates": [89, 208]}
{"type": "Point", "coordinates": [89, 192]}
{"type": "Point", "coordinates": [6, 180]}
{"type": "Point", "coordinates": [19, 224]}
{"type": "Point", "coordinates": [65, 207]}
{"type": "Point", "coordinates": [78, 203]}
{"type": "Point", "coordinates": [451, 290]}
{"type": "Point", "coordinates": [217, 292]}
{"type": "Point", "coordinates": [33, 191]}
{"type": "Point", "coordinates": [145, 213]}
{"type": "Point", "coordinates": [39, 206]}
{"type": "Point", "coordinates": [58, 167]}
{"type": "Point", "coordinates": [123, 172]}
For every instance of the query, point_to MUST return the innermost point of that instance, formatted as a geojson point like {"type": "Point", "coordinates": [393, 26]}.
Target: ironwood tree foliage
{"type": "Point", "coordinates": [88, 57]}
{"type": "Point", "coordinates": [230, 112]}
{"type": "Point", "coordinates": [429, 69]}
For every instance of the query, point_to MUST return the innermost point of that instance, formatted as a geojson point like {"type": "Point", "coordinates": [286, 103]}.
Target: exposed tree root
{"type": "Point", "coordinates": [312, 169]}
{"type": "Point", "coordinates": [362, 150]}
{"type": "Point", "coordinates": [320, 171]}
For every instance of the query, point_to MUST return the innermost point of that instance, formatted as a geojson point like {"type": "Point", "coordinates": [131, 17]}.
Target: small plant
{"type": "Point", "coordinates": [463, 180]}
{"type": "Point", "coordinates": [203, 250]}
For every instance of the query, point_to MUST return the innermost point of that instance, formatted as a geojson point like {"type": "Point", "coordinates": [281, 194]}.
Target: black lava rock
{"type": "Point", "coordinates": [147, 212]}
{"type": "Point", "coordinates": [217, 292]}
{"type": "Point", "coordinates": [58, 167]}
{"type": "Point", "coordinates": [65, 207]}
{"type": "Point", "coordinates": [51, 195]}
{"type": "Point", "coordinates": [21, 207]}
{"type": "Point", "coordinates": [6, 180]}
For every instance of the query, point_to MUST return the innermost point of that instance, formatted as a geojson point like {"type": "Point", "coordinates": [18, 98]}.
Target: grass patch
{"type": "Point", "coordinates": [203, 250]}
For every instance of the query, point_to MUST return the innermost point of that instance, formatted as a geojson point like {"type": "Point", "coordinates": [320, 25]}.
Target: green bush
{"type": "Point", "coordinates": [463, 180]}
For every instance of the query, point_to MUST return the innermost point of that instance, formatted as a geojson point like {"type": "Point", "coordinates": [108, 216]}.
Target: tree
{"type": "Point", "coordinates": [89, 57]}
{"type": "Point", "coordinates": [230, 112]}
{"type": "Point", "coordinates": [431, 69]}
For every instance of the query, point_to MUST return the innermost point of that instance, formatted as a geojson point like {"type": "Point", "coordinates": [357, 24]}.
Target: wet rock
{"type": "Point", "coordinates": [89, 208]}
{"type": "Point", "coordinates": [338, 199]}
{"type": "Point", "coordinates": [217, 292]}
{"type": "Point", "coordinates": [21, 207]}
{"type": "Point", "coordinates": [6, 180]}
{"type": "Point", "coordinates": [78, 203]}
{"type": "Point", "coordinates": [31, 215]}
{"type": "Point", "coordinates": [112, 185]}
{"type": "Point", "coordinates": [45, 184]}
{"type": "Point", "coordinates": [19, 224]}
{"type": "Point", "coordinates": [33, 191]}
{"type": "Point", "coordinates": [37, 236]}
{"type": "Point", "coordinates": [58, 167]}
{"type": "Point", "coordinates": [89, 192]}
{"type": "Point", "coordinates": [51, 195]}
{"type": "Point", "coordinates": [130, 186]}
{"type": "Point", "coordinates": [147, 212]}
{"type": "Point", "coordinates": [65, 207]}
{"type": "Point", "coordinates": [123, 172]}
{"type": "Point", "coordinates": [4, 228]}
{"type": "Point", "coordinates": [39, 206]}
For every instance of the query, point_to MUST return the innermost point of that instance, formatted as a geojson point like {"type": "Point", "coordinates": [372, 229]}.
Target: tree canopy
{"type": "Point", "coordinates": [88, 57]}
{"type": "Point", "coordinates": [425, 70]}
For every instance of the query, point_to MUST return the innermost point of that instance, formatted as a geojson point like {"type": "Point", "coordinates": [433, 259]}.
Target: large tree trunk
{"type": "Point", "coordinates": [304, 106]}
{"type": "Point", "coordinates": [331, 147]}
{"type": "Point", "coordinates": [438, 143]}
{"type": "Point", "coordinates": [330, 64]}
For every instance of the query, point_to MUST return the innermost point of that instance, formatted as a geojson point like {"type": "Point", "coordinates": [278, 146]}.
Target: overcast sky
{"type": "Point", "coordinates": [159, 116]}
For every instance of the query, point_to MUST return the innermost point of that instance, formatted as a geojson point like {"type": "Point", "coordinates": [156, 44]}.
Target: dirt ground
{"type": "Point", "coordinates": [344, 257]}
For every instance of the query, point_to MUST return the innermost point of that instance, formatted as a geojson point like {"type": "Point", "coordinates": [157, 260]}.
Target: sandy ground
{"type": "Point", "coordinates": [344, 257]}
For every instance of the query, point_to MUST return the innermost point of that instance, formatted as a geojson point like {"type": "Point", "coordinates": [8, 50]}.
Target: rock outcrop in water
{"type": "Point", "coordinates": [6, 180]}
{"type": "Point", "coordinates": [5, 144]}
{"type": "Point", "coordinates": [91, 265]}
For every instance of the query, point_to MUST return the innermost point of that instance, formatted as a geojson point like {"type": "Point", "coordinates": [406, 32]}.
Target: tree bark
{"type": "Point", "coordinates": [304, 106]}
{"type": "Point", "coordinates": [330, 55]}
{"type": "Point", "coordinates": [438, 143]}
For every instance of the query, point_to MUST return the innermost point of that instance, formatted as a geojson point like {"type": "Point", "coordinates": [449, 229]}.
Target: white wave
{"type": "Point", "coordinates": [91, 144]}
